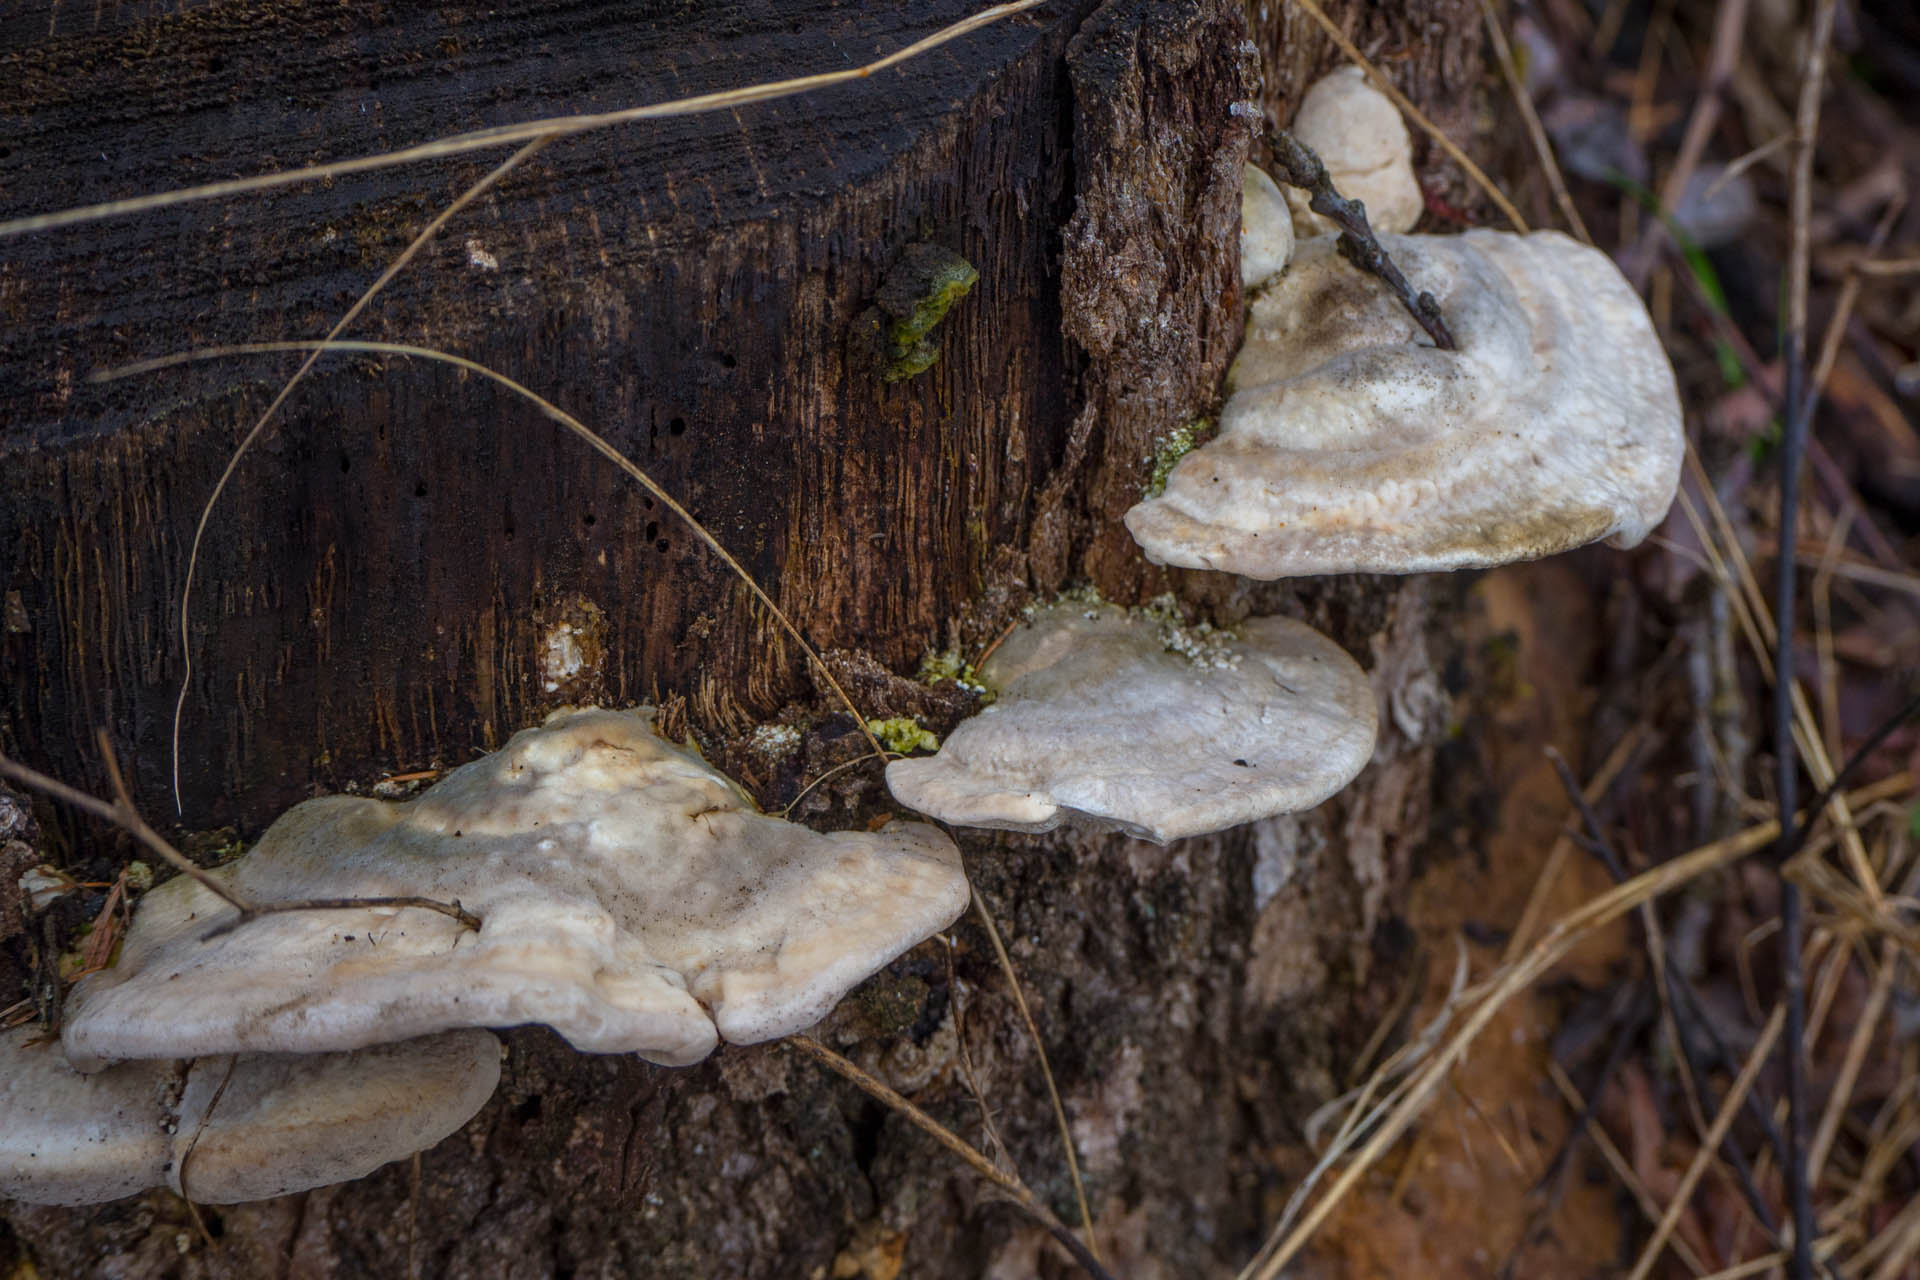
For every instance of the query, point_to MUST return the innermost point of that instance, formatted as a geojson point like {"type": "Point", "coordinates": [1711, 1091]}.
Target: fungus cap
{"type": "Point", "coordinates": [630, 897]}
{"type": "Point", "coordinates": [242, 1128]}
{"type": "Point", "coordinates": [1159, 730]}
{"type": "Point", "coordinates": [1266, 229]}
{"type": "Point", "coordinates": [1350, 444]}
{"type": "Point", "coordinates": [1357, 132]}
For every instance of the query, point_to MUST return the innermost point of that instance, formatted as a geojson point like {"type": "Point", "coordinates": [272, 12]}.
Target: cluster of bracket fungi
{"type": "Point", "coordinates": [635, 900]}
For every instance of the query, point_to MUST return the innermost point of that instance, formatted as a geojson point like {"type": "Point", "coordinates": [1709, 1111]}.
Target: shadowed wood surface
{"type": "Point", "coordinates": [384, 574]}
{"type": "Point", "coordinates": [380, 575]}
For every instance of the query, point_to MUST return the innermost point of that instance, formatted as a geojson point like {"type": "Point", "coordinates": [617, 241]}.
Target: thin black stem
{"type": "Point", "coordinates": [1638, 1015]}
{"type": "Point", "coordinates": [1685, 1006]}
{"type": "Point", "coordinates": [1296, 165]}
{"type": "Point", "coordinates": [1793, 447]}
{"type": "Point", "coordinates": [1680, 994]}
{"type": "Point", "coordinates": [1845, 775]}
{"type": "Point", "coordinates": [1797, 413]}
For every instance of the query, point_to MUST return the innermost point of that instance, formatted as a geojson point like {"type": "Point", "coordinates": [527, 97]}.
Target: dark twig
{"type": "Point", "coordinates": [1296, 165]}
{"type": "Point", "coordinates": [1639, 1014]}
{"type": "Point", "coordinates": [1880, 734]}
{"type": "Point", "coordinates": [1683, 1003]}
{"type": "Point", "coordinates": [1797, 413]}
{"type": "Point", "coordinates": [1015, 1189]}
{"type": "Point", "coordinates": [122, 813]}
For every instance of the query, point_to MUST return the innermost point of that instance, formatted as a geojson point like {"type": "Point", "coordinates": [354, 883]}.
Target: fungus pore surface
{"type": "Point", "coordinates": [1138, 723]}
{"type": "Point", "coordinates": [1350, 444]}
{"type": "Point", "coordinates": [225, 1129]}
{"type": "Point", "coordinates": [629, 896]}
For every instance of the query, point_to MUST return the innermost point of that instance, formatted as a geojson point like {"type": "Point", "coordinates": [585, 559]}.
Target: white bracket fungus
{"type": "Point", "coordinates": [1158, 730]}
{"type": "Point", "coordinates": [1266, 229]}
{"type": "Point", "coordinates": [222, 1130]}
{"type": "Point", "coordinates": [630, 897]}
{"type": "Point", "coordinates": [1349, 444]}
{"type": "Point", "coordinates": [1358, 134]}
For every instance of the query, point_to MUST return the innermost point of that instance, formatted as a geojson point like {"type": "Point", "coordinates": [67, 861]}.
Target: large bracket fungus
{"type": "Point", "coordinates": [1350, 444]}
{"type": "Point", "coordinates": [1159, 730]}
{"type": "Point", "coordinates": [630, 897]}
{"type": "Point", "coordinates": [223, 1129]}
{"type": "Point", "coordinates": [1357, 132]}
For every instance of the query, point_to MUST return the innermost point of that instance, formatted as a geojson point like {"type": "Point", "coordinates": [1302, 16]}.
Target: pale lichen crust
{"type": "Point", "coordinates": [1130, 720]}
{"type": "Point", "coordinates": [1349, 444]}
{"type": "Point", "coordinates": [630, 897]}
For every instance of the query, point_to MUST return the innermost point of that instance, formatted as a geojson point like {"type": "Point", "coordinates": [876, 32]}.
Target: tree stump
{"type": "Point", "coordinates": [389, 570]}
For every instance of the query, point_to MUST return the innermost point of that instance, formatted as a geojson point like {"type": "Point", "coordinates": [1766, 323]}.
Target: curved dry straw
{"type": "Point", "coordinates": [540, 133]}
{"type": "Point", "coordinates": [394, 268]}
{"type": "Point", "coordinates": [505, 135]}
{"type": "Point", "coordinates": [547, 407]}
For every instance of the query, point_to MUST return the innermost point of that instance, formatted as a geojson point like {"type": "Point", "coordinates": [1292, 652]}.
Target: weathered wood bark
{"type": "Point", "coordinates": [382, 577]}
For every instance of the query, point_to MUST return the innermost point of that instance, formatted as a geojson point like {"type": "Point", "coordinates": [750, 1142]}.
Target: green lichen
{"type": "Point", "coordinates": [910, 303]}
{"type": "Point", "coordinates": [903, 734]}
{"type": "Point", "coordinates": [1169, 449]}
{"type": "Point", "coordinates": [948, 666]}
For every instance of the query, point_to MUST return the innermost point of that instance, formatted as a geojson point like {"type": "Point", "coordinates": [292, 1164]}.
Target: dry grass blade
{"type": "Point", "coordinates": [1511, 979]}
{"type": "Point", "coordinates": [1046, 1070]}
{"type": "Point", "coordinates": [1736, 1097]}
{"type": "Point", "coordinates": [1563, 846]}
{"type": "Point", "coordinates": [1536, 132]}
{"type": "Point", "coordinates": [556, 414]}
{"type": "Point", "coordinates": [394, 268]}
{"type": "Point", "coordinates": [1621, 1168]}
{"type": "Point", "coordinates": [1849, 297]}
{"type": "Point", "coordinates": [506, 135]}
{"type": "Point", "coordinates": [1729, 24]}
{"type": "Point", "coordinates": [1735, 572]}
{"type": "Point", "coordinates": [1889, 267]}
{"type": "Point", "coordinates": [1352, 52]}
{"type": "Point", "coordinates": [1012, 1186]}
{"type": "Point", "coordinates": [1865, 1027]}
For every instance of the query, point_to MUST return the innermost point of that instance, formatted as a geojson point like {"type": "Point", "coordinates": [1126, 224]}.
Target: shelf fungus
{"type": "Point", "coordinates": [629, 896]}
{"type": "Point", "coordinates": [1350, 444]}
{"type": "Point", "coordinates": [1138, 723]}
{"type": "Point", "coordinates": [225, 1129]}
{"type": "Point", "coordinates": [1266, 229]}
{"type": "Point", "coordinates": [1357, 132]}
